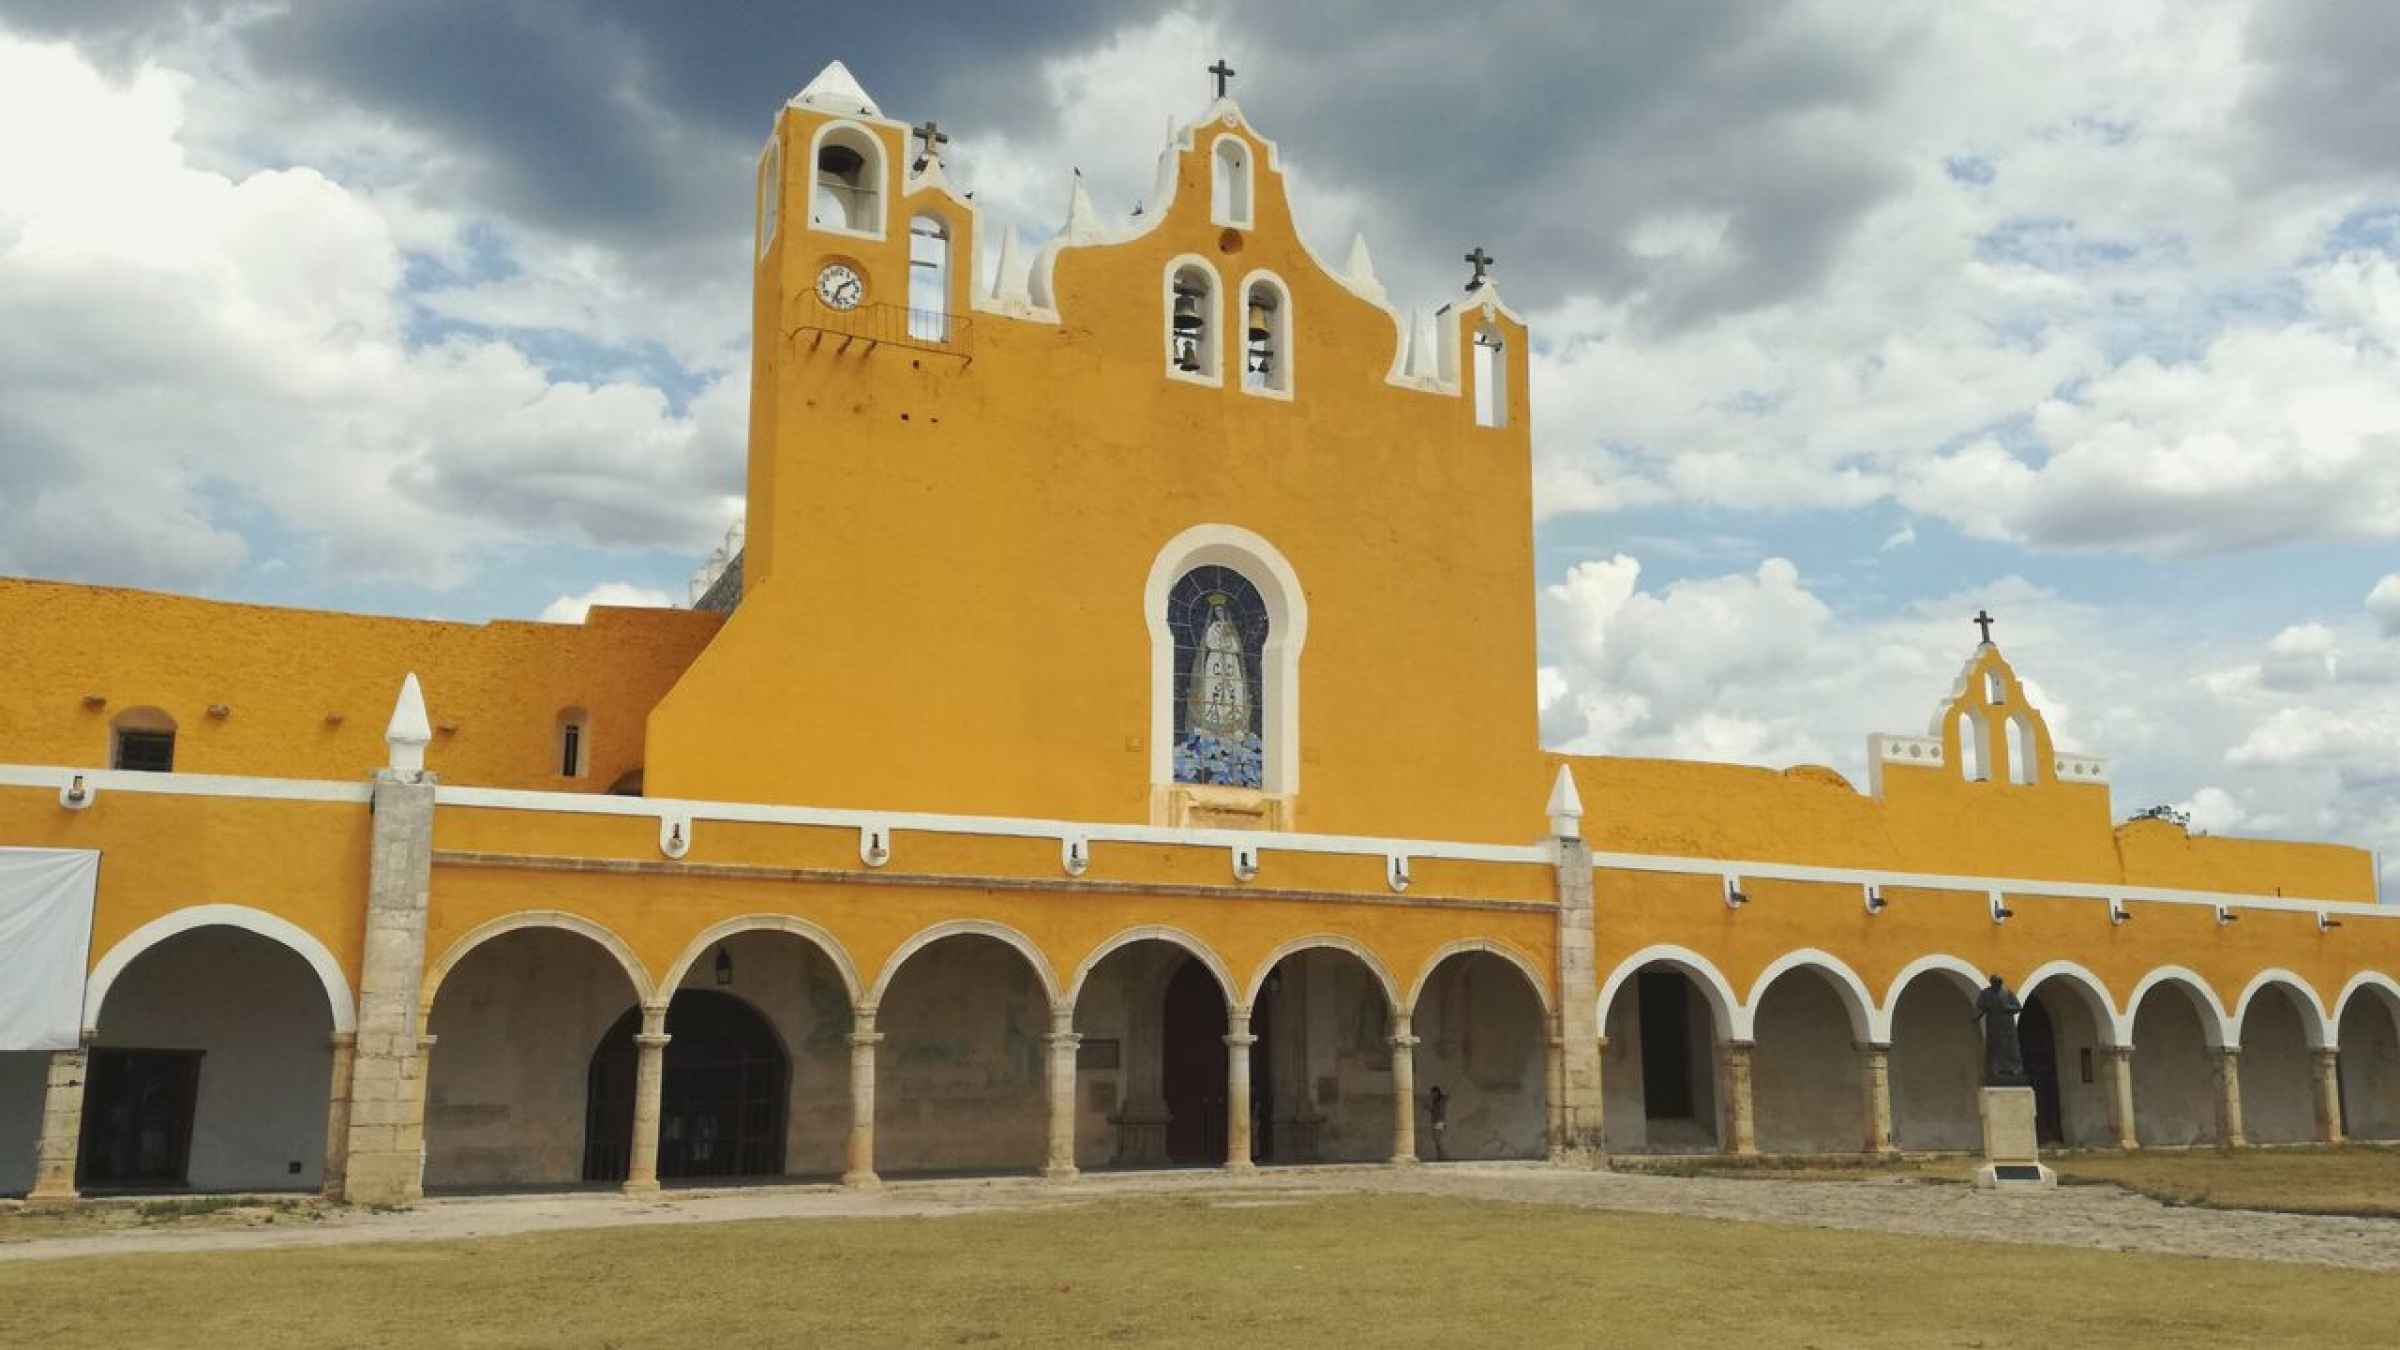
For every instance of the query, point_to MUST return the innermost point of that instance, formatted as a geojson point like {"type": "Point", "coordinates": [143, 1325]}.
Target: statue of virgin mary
{"type": "Point", "coordinates": [1217, 701]}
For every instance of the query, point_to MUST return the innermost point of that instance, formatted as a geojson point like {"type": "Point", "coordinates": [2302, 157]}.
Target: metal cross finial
{"type": "Point", "coordinates": [1985, 621]}
{"type": "Point", "coordinates": [1483, 262]}
{"type": "Point", "coordinates": [934, 137]}
{"type": "Point", "coordinates": [1223, 73]}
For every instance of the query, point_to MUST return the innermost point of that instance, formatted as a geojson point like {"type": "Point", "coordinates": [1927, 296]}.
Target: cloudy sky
{"type": "Point", "coordinates": [1850, 318]}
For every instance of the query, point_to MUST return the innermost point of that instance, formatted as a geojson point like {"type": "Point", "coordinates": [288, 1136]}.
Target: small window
{"type": "Point", "coordinates": [1266, 348]}
{"type": "Point", "coordinates": [1994, 692]}
{"type": "Point", "coordinates": [770, 194]}
{"type": "Point", "coordinates": [1974, 744]}
{"type": "Point", "coordinates": [2021, 768]}
{"type": "Point", "coordinates": [1192, 323]}
{"type": "Point", "coordinates": [1491, 378]}
{"type": "Point", "coordinates": [849, 182]}
{"type": "Point", "coordinates": [929, 278]}
{"type": "Point", "coordinates": [142, 741]}
{"type": "Point", "coordinates": [574, 743]}
{"type": "Point", "coordinates": [1229, 195]}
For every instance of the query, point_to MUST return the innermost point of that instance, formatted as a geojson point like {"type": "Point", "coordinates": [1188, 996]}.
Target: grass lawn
{"type": "Point", "coordinates": [1328, 1271]}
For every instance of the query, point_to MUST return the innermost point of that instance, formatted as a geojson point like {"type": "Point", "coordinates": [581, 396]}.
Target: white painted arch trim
{"type": "Point", "coordinates": [1213, 350]}
{"type": "Point", "coordinates": [2222, 1032]}
{"type": "Point", "coordinates": [1331, 942]}
{"type": "Point", "coordinates": [2323, 1032]}
{"type": "Point", "coordinates": [1733, 1020]}
{"type": "Point", "coordinates": [2370, 983]}
{"type": "Point", "coordinates": [1963, 971]}
{"type": "Point", "coordinates": [1287, 634]}
{"type": "Point", "coordinates": [1865, 1020]}
{"type": "Point", "coordinates": [884, 179]}
{"type": "Point", "coordinates": [2115, 1028]}
{"type": "Point", "coordinates": [966, 928]}
{"type": "Point", "coordinates": [824, 941]}
{"type": "Point", "coordinates": [1286, 340]}
{"type": "Point", "coordinates": [271, 927]}
{"type": "Point", "coordinates": [644, 991]}
{"type": "Point", "coordinates": [1469, 946]}
{"type": "Point", "coordinates": [1154, 932]}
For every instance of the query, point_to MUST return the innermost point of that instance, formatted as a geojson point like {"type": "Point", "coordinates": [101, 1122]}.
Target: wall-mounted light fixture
{"type": "Point", "coordinates": [2118, 915]}
{"type": "Point", "coordinates": [1074, 854]}
{"type": "Point", "coordinates": [2001, 913]}
{"type": "Point", "coordinates": [1734, 896]}
{"type": "Point", "coordinates": [1245, 861]}
{"type": "Point", "coordinates": [724, 967]}
{"type": "Point", "coordinates": [2225, 915]}
{"type": "Point", "coordinates": [1395, 871]}
{"type": "Point", "coordinates": [2326, 922]}
{"type": "Point", "coordinates": [874, 845]}
{"type": "Point", "coordinates": [76, 795]}
{"type": "Point", "coordinates": [1876, 904]}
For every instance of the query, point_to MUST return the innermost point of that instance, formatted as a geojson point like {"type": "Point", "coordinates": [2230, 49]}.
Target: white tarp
{"type": "Point", "coordinates": [45, 942]}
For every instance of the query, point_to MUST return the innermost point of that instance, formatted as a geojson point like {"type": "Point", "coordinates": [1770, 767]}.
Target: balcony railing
{"type": "Point", "coordinates": [928, 330]}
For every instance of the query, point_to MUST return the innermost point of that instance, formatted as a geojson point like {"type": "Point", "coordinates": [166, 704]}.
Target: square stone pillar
{"type": "Point", "coordinates": [2328, 1065]}
{"type": "Point", "coordinates": [1740, 1133]}
{"type": "Point", "coordinates": [386, 1151]}
{"type": "Point", "coordinates": [2117, 1068]}
{"type": "Point", "coordinates": [2229, 1097]}
{"type": "Point", "coordinates": [1577, 1103]}
{"type": "Point", "coordinates": [860, 1171]}
{"type": "Point", "coordinates": [337, 1117]}
{"type": "Point", "coordinates": [1404, 1093]}
{"type": "Point", "coordinates": [1875, 1075]}
{"type": "Point", "coordinates": [649, 1081]}
{"type": "Point", "coordinates": [1063, 1042]}
{"type": "Point", "coordinates": [54, 1153]}
{"type": "Point", "coordinates": [1238, 1041]}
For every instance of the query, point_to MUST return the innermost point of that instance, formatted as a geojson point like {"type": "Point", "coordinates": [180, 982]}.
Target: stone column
{"type": "Point", "coordinates": [62, 1127]}
{"type": "Point", "coordinates": [2328, 1063]}
{"type": "Point", "coordinates": [1875, 1069]}
{"type": "Point", "coordinates": [337, 1116]}
{"type": "Point", "coordinates": [1554, 1076]}
{"type": "Point", "coordinates": [1740, 1136]}
{"type": "Point", "coordinates": [385, 1161]}
{"type": "Point", "coordinates": [1062, 1041]}
{"type": "Point", "coordinates": [1404, 1092]}
{"type": "Point", "coordinates": [649, 1078]}
{"type": "Point", "coordinates": [1578, 1101]}
{"type": "Point", "coordinates": [2118, 1060]}
{"type": "Point", "coordinates": [1238, 1041]}
{"type": "Point", "coordinates": [2229, 1096]}
{"type": "Point", "coordinates": [863, 1040]}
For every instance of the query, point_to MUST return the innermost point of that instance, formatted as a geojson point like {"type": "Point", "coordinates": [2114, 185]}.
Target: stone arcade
{"type": "Point", "coordinates": [1089, 764]}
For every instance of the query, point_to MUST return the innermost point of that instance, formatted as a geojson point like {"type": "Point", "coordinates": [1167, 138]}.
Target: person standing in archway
{"type": "Point", "coordinates": [1437, 1113]}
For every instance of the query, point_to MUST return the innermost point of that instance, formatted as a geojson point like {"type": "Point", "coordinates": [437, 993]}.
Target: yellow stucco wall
{"type": "Point", "coordinates": [284, 674]}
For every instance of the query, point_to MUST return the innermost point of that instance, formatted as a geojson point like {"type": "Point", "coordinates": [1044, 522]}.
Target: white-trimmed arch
{"type": "Point", "coordinates": [1154, 932]}
{"type": "Point", "coordinates": [644, 992]}
{"type": "Point", "coordinates": [855, 135]}
{"type": "Point", "coordinates": [1212, 349]}
{"type": "Point", "coordinates": [1287, 633]}
{"type": "Point", "coordinates": [1865, 1025]}
{"type": "Point", "coordinates": [999, 932]}
{"type": "Point", "coordinates": [2216, 1025]}
{"type": "Point", "coordinates": [1286, 377]}
{"type": "Point", "coordinates": [271, 927]}
{"type": "Point", "coordinates": [1231, 198]}
{"type": "Point", "coordinates": [1469, 946]}
{"type": "Point", "coordinates": [2113, 1027]}
{"type": "Point", "coordinates": [2322, 1032]}
{"type": "Point", "coordinates": [1733, 1020]}
{"type": "Point", "coordinates": [1335, 942]}
{"type": "Point", "coordinates": [815, 935]}
{"type": "Point", "coordinates": [1961, 971]}
{"type": "Point", "coordinates": [2371, 983]}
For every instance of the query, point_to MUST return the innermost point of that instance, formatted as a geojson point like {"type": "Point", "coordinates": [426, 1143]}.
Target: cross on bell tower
{"type": "Point", "coordinates": [1224, 74]}
{"type": "Point", "coordinates": [934, 137]}
{"type": "Point", "coordinates": [1984, 621]}
{"type": "Point", "coordinates": [1482, 262]}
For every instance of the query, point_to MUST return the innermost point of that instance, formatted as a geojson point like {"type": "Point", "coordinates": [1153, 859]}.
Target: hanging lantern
{"type": "Point", "coordinates": [724, 968]}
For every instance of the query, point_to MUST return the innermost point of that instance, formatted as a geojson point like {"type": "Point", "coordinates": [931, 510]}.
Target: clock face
{"type": "Point", "coordinates": [840, 286]}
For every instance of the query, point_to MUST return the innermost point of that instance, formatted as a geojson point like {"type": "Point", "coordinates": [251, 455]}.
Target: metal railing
{"type": "Point", "coordinates": [930, 330]}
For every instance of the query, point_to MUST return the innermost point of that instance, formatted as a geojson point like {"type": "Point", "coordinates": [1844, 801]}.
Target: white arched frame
{"type": "Point", "coordinates": [1153, 932]}
{"type": "Point", "coordinates": [644, 992]}
{"type": "Point", "coordinates": [1733, 1021]}
{"type": "Point", "coordinates": [1287, 632]}
{"type": "Point", "coordinates": [1468, 947]}
{"type": "Point", "coordinates": [2114, 1028]}
{"type": "Point", "coordinates": [816, 936]}
{"type": "Point", "coordinates": [1326, 942]}
{"type": "Point", "coordinates": [999, 932]}
{"type": "Point", "coordinates": [2372, 984]}
{"type": "Point", "coordinates": [302, 943]}
{"type": "Point", "coordinates": [861, 138]}
{"type": "Point", "coordinates": [1212, 309]}
{"type": "Point", "coordinates": [1286, 378]}
{"type": "Point", "coordinates": [1231, 176]}
{"type": "Point", "coordinates": [1865, 1026]}
{"type": "Point", "coordinates": [2218, 1027]}
{"type": "Point", "coordinates": [1961, 972]}
{"type": "Point", "coordinates": [2321, 1030]}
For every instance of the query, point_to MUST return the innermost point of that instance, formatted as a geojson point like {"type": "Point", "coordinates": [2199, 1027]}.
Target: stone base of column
{"type": "Point", "coordinates": [1243, 1168]}
{"type": "Point", "coordinates": [639, 1188]}
{"type": "Point", "coordinates": [1405, 1160]}
{"type": "Point", "coordinates": [1066, 1173]}
{"type": "Point", "coordinates": [862, 1181]}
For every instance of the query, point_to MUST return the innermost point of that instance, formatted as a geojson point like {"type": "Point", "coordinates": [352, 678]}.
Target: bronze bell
{"type": "Point", "coordinates": [1187, 312]}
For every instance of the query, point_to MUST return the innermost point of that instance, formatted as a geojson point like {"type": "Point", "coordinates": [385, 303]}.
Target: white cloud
{"type": "Point", "coordinates": [573, 608]}
{"type": "Point", "coordinates": [2213, 810]}
{"type": "Point", "coordinates": [1899, 538]}
{"type": "Point", "coordinates": [2383, 603]}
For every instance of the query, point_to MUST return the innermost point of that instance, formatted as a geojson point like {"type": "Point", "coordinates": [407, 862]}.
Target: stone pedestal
{"type": "Point", "coordinates": [2011, 1160]}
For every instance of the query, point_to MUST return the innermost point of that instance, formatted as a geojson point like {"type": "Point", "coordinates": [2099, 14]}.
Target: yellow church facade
{"type": "Point", "coordinates": [1120, 750]}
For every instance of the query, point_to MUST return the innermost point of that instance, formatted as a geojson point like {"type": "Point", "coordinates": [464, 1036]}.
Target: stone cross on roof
{"type": "Point", "coordinates": [934, 137]}
{"type": "Point", "coordinates": [1984, 621]}
{"type": "Point", "coordinates": [1482, 262]}
{"type": "Point", "coordinates": [1223, 73]}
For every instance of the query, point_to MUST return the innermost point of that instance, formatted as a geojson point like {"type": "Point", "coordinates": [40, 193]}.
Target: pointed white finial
{"type": "Point", "coordinates": [836, 90]}
{"type": "Point", "coordinates": [409, 731]}
{"type": "Point", "coordinates": [1004, 274]}
{"type": "Point", "coordinates": [1361, 267]}
{"type": "Point", "coordinates": [1566, 806]}
{"type": "Point", "coordinates": [1083, 222]}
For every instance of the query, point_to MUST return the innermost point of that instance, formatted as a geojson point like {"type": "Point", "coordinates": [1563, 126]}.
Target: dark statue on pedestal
{"type": "Point", "coordinates": [2003, 1057]}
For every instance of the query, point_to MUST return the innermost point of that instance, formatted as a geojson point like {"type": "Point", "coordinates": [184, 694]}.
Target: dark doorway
{"type": "Point", "coordinates": [137, 1118]}
{"type": "Point", "coordinates": [1666, 1016]}
{"type": "Point", "coordinates": [2037, 1039]}
{"type": "Point", "coordinates": [722, 1100]}
{"type": "Point", "coordinates": [1192, 1065]}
